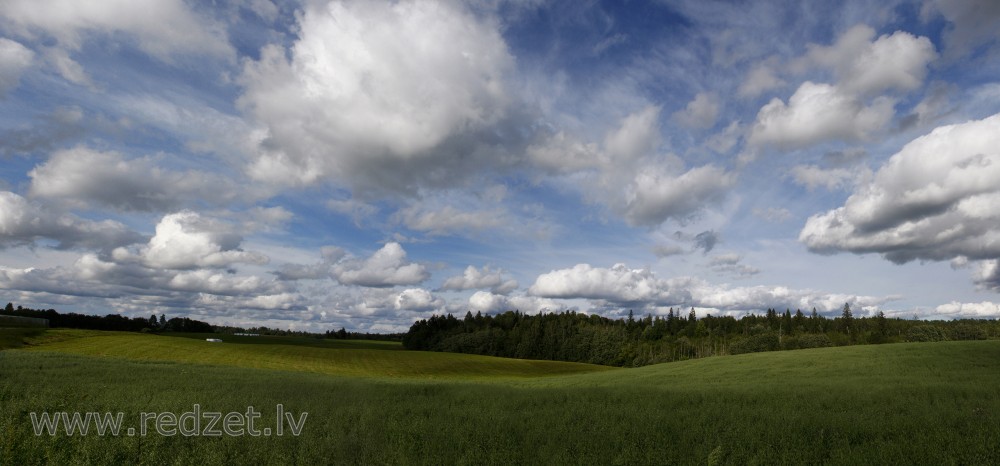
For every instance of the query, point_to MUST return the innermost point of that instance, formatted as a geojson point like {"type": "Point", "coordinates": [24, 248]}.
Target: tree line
{"type": "Point", "coordinates": [631, 341]}
{"type": "Point", "coordinates": [113, 322]}
{"type": "Point", "coordinates": [160, 323]}
{"type": "Point", "coordinates": [342, 334]}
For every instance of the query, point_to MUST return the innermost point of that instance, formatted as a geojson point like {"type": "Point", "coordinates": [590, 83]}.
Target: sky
{"type": "Point", "coordinates": [363, 164]}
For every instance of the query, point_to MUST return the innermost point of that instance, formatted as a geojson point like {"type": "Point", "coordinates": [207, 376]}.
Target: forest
{"type": "Point", "coordinates": [112, 322]}
{"type": "Point", "coordinates": [632, 341]}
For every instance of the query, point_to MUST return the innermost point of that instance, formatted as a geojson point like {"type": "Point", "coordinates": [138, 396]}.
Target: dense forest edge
{"type": "Point", "coordinates": [631, 342]}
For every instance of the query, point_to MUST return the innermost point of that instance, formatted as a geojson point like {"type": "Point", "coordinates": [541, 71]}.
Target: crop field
{"type": "Point", "coordinates": [333, 357]}
{"type": "Point", "coordinates": [372, 403]}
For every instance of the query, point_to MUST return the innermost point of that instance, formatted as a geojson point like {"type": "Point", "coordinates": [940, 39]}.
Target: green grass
{"type": "Point", "coordinates": [926, 403]}
{"type": "Point", "coordinates": [332, 357]}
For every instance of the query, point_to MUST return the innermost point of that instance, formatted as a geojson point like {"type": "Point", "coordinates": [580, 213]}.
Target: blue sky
{"type": "Point", "coordinates": [324, 164]}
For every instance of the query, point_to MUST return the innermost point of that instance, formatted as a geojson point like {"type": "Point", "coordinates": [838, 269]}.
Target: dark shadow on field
{"type": "Point", "coordinates": [293, 341]}
{"type": "Point", "coordinates": [14, 337]}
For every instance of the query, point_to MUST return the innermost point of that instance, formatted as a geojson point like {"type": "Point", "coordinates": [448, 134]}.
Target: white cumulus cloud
{"type": "Point", "coordinates": [618, 284]}
{"type": "Point", "coordinates": [938, 198]}
{"type": "Point", "coordinates": [819, 112]}
{"type": "Point", "coordinates": [387, 267]}
{"type": "Point", "coordinates": [866, 65]}
{"type": "Point", "coordinates": [379, 95]}
{"type": "Point", "coordinates": [187, 240]}
{"type": "Point", "coordinates": [655, 195]}
{"type": "Point", "coordinates": [473, 278]}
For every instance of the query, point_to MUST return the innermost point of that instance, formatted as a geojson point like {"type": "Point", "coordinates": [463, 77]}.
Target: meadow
{"type": "Point", "coordinates": [373, 403]}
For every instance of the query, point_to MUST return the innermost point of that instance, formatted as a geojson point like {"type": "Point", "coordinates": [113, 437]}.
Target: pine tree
{"type": "Point", "coordinates": [9, 309]}
{"type": "Point", "coordinates": [799, 321]}
{"type": "Point", "coordinates": [847, 319]}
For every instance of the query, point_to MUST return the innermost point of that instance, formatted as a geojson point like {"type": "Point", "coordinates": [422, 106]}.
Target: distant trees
{"type": "Point", "coordinates": [925, 332]}
{"type": "Point", "coordinates": [632, 341]}
{"type": "Point", "coordinates": [115, 322]}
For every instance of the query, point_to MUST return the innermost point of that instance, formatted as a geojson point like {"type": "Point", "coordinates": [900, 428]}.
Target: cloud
{"type": "Point", "coordinates": [485, 301]}
{"type": "Point", "coordinates": [936, 199]}
{"type": "Point", "coordinates": [385, 268]}
{"type": "Point", "coordinates": [64, 123]}
{"type": "Point", "coordinates": [82, 176]}
{"type": "Point", "coordinates": [23, 222]}
{"type": "Point", "coordinates": [400, 308]}
{"type": "Point", "coordinates": [760, 79]}
{"type": "Point", "coordinates": [381, 96]}
{"type": "Point", "coordinates": [474, 278]}
{"type": "Point", "coordinates": [723, 141]}
{"type": "Point", "coordinates": [637, 136]}
{"type": "Point", "coordinates": [817, 113]}
{"type": "Point", "coordinates": [216, 283]}
{"type": "Point", "coordinates": [844, 158]}
{"type": "Point", "coordinates": [852, 109]}
{"type": "Point", "coordinates": [619, 284]}
{"type": "Point", "coordinates": [91, 276]}
{"type": "Point", "coordinates": [812, 177]}
{"type": "Point", "coordinates": [357, 210]}
{"type": "Point", "coordinates": [729, 264]}
{"type": "Point", "coordinates": [958, 310]}
{"type": "Point", "coordinates": [417, 300]}
{"type": "Point", "coordinates": [187, 240]}
{"type": "Point", "coordinates": [706, 241]}
{"type": "Point", "coordinates": [702, 112]}
{"type": "Point", "coordinates": [655, 195]}
{"type": "Point", "coordinates": [562, 153]}
{"type": "Point", "coordinates": [757, 298]}
{"type": "Point", "coordinates": [609, 42]}
{"type": "Point", "coordinates": [773, 214]}
{"type": "Point", "coordinates": [620, 287]}
{"type": "Point", "coordinates": [448, 220]}
{"type": "Point", "coordinates": [14, 60]}
{"type": "Point", "coordinates": [202, 128]}
{"type": "Point", "coordinates": [322, 269]}
{"type": "Point", "coordinates": [667, 250]}
{"type": "Point", "coordinates": [973, 23]}
{"type": "Point", "coordinates": [627, 174]}
{"type": "Point", "coordinates": [987, 277]}
{"type": "Point", "coordinates": [161, 28]}
{"type": "Point", "coordinates": [68, 68]}
{"type": "Point", "coordinates": [865, 66]}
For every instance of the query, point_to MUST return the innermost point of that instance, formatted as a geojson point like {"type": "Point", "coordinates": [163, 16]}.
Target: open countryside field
{"type": "Point", "coordinates": [333, 357]}
{"type": "Point", "coordinates": [930, 403]}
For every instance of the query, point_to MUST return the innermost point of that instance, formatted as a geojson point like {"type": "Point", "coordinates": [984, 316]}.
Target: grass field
{"type": "Point", "coordinates": [333, 357]}
{"type": "Point", "coordinates": [928, 403]}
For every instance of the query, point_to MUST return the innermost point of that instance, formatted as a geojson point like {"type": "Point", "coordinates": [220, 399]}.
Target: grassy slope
{"type": "Point", "coordinates": [348, 358]}
{"type": "Point", "coordinates": [936, 403]}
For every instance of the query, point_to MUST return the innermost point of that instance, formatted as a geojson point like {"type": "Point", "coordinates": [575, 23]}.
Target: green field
{"type": "Point", "coordinates": [332, 357]}
{"type": "Point", "coordinates": [372, 403]}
